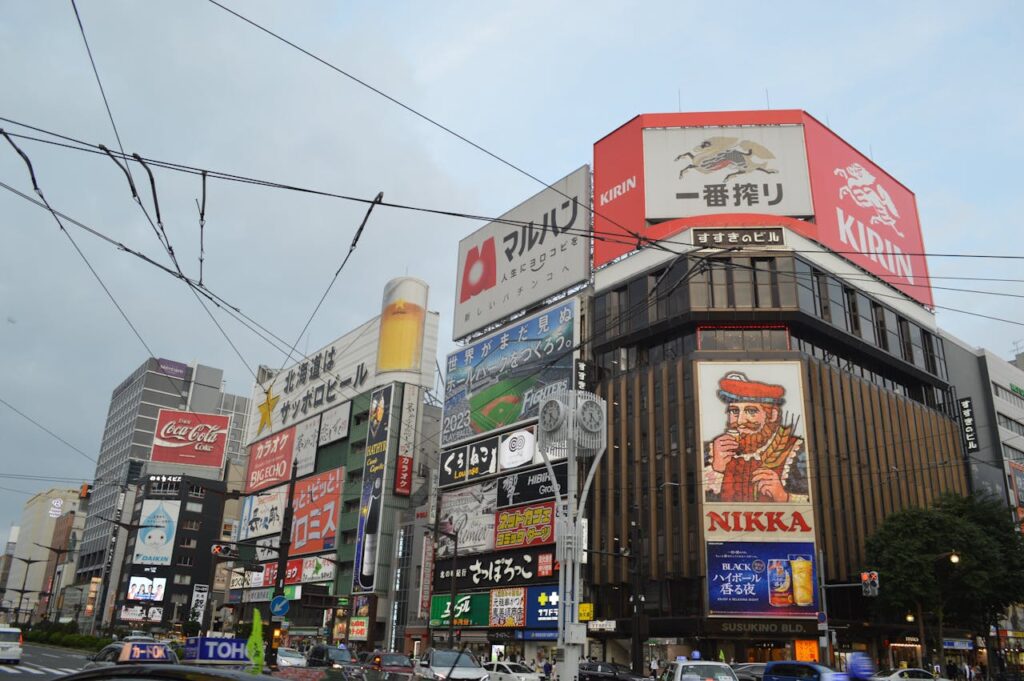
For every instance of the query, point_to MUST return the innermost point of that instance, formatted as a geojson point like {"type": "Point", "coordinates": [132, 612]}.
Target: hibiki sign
{"type": "Point", "coordinates": [530, 253]}
{"type": "Point", "coordinates": [184, 437]}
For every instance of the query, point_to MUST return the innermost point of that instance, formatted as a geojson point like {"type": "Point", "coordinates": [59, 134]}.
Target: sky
{"type": "Point", "coordinates": [932, 92]}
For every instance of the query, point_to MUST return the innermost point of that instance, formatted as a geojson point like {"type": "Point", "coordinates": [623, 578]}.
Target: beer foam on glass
{"type": "Point", "coordinates": [802, 571]}
{"type": "Point", "coordinates": [400, 347]}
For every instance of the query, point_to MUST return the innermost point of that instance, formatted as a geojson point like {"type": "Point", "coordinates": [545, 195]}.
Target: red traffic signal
{"type": "Point", "coordinates": [224, 551]}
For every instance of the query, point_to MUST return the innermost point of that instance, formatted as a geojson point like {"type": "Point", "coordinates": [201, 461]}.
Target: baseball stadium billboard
{"type": "Point", "coordinates": [501, 379]}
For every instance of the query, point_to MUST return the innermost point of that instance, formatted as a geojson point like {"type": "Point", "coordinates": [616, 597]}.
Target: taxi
{"type": "Point", "coordinates": [131, 653]}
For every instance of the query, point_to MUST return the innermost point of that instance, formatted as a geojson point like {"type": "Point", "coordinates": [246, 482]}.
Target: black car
{"type": "Point", "coordinates": [607, 671]}
{"type": "Point", "coordinates": [750, 671]}
{"type": "Point", "coordinates": [322, 655]}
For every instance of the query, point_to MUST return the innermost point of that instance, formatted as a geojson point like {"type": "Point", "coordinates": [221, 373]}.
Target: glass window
{"type": "Point", "coordinates": [719, 284]}
{"type": "Point", "coordinates": [852, 316]}
{"type": "Point", "coordinates": [742, 284]}
{"type": "Point", "coordinates": [637, 304]}
{"type": "Point", "coordinates": [821, 298]}
{"type": "Point", "coordinates": [194, 507]}
{"type": "Point", "coordinates": [837, 304]}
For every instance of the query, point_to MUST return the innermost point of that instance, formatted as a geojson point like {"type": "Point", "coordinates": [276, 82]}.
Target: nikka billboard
{"type": "Point", "coordinates": [184, 437]}
{"type": "Point", "coordinates": [534, 251]}
{"type": "Point", "coordinates": [659, 175]}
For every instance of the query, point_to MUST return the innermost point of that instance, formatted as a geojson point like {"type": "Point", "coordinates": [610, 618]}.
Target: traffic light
{"type": "Point", "coordinates": [224, 551]}
{"type": "Point", "coordinates": [869, 583]}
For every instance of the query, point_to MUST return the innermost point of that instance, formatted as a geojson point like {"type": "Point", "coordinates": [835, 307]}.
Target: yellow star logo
{"type": "Point", "coordinates": [267, 412]}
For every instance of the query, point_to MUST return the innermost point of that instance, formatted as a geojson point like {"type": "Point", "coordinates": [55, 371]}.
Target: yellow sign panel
{"type": "Point", "coordinates": [586, 612]}
{"type": "Point", "coordinates": [806, 650]}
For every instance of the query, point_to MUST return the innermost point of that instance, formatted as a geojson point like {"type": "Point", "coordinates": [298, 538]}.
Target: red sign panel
{"type": "Point", "coordinates": [864, 214]}
{"type": "Point", "coordinates": [315, 506]}
{"type": "Point", "coordinates": [293, 575]}
{"type": "Point", "coordinates": [403, 476]}
{"type": "Point", "coordinates": [184, 437]}
{"type": "Point", "coordinates": [270, 461]}
{"type": "Point", "coordinates": [521, 526]}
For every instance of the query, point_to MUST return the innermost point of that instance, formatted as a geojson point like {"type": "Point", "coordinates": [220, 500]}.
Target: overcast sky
{"type": "Point", "coordinates": [931, 91]}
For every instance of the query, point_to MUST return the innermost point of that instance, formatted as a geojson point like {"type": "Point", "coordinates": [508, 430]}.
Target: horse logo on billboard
{"type": "Point", "coordinates": [866, 193]}
{"type": "Point", "coordinates": [737, 156]}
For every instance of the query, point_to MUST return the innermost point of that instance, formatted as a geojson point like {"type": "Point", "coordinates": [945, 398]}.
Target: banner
{"type": "Point", "coordinates": [315, 507]}
{"type": "Point", "coordinates": [141, 613]}
{"type": "Point", "coordinates": [358, 628]}
{"type": "Point", "coordinates": [518, 567]}
{"type": "Point", "coordinates": [364, 577]}
{"type": "Point", "coordinates": [318, 569]}
{"type": "Point", "coordinates": [542, 607]}
{"type": "Point", "coordinates": [508, 608]}
{"type": "Point", "coordinates": [146, 589]}
{"type": "Point", "coordinates": [766, 579]}
{"type": "Point", "coordinates": [468, 461]}
{"type": "Point", "coordinates": [408, 429]}
{"type": "Point", "coordinates": [270, 461]}
{"type": "Point", "coordinates": [471, 610]}
{"type": "Point", "coordinates": [334, 423]}
{"type": "Point", "coordinates": [756, 466]}
{"type": "Point", "coordinates": [188, 438]}
{"type": "Point", "coordinates": [200, 594]}
{"type": "Point", "coordinates": [293, 572]}
{"type": "Point", "coordinates": [533, 252]}
{"type": "Point", "coordinates": [501, 379]}
{"type": "Point", "coordinates": [154, 543]}
{"type": "Point", "coordinates": [468, 511]}
{"type": "Point", "coordinates": [531, 485]}
{"type": "Point", "coordinates": [307, 437]}
{"type": "Point", "coordinates": [1015, 473]}
{"type": "Point", "coordinates": [263, 512]}
{"type": "Point", "coordinates": [525, 526]}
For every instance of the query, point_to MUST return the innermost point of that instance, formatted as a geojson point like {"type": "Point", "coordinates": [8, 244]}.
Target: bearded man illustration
{"type": "Point", "coordinates": [759, 458]}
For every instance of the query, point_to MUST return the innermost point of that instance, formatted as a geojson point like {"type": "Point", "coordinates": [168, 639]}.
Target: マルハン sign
{"type": "Point", "coordinates": [531, 253]}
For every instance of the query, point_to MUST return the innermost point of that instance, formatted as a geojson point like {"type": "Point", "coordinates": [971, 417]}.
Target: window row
{"type": "Point", "coordinates": [1010, 424]}
{"type": "Point", "coordinates": [1008, 395]}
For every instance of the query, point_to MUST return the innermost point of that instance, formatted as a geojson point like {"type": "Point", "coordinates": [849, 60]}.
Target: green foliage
{"type": "Point", "coordinates": [911, 551]}
{"type": "Point", "coordinates": [53, 635]}
{"type": "Point", "coordinates": [191, 628]}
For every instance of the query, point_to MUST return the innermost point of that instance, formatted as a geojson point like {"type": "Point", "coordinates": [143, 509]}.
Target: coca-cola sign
{"type": "Point", "coordinates": [184, 437]}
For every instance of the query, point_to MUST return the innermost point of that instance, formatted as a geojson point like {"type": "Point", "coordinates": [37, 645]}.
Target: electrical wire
{"type": "Point", "coordinates": [45, 429]}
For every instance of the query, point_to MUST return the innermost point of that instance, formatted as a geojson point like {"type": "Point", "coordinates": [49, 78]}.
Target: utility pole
{"type": "Point", "coordinates": [282, 561]}
{"type": "Point", "coordinates": [454, 536]}
{"type": "Point", "coordinates": [636, 594]}
{"type": "Point", "coordinates": [570, 421]}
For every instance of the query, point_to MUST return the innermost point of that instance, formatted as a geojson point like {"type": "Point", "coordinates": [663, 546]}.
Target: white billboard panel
{"type": "Point", "coordinates": [714, 170]}
{"type": "Point", "coordinates": [155, 541]}
{"type": "Point", "coordinates": [263, 512]}
{"type": "Point", "coordinates": [533, 252]}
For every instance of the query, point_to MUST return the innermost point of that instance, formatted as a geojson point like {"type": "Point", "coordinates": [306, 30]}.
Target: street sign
{"type": "Point", "coordinates": [586, 612]}
{"type": "Point", "coordinates": [279, 606]}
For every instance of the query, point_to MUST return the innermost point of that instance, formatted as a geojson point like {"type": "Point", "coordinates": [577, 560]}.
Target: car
{"type": "Point", "coordinates": [128, 653]}
{"type": "Point", "coordinates": [139, 637]}
{"type": "Point", "coordinates": [749, 671]}
{"type": "Point", "coordinates": [392, 663]}
{"type": "Point", "coordinates": [159, 672]}
{"type": "Point", "coordinates": [335, 657]}
{"type": "Point", "coordinates": [439, 664]}
{"type": "Point", "coordinates": [904, 674]}
{"type": "Point", "coordinates": [697, 670]}
{"type": "Point", "coordinates": [510, 671]}
{"type": "Point", "coordinates": [792, 670]}
{"type": "Point", "coordinates": [10, 644]}
{"type": "Point", "coordinates": [290, 657]}
{"type": "Point", "coordinates": [607, 671]}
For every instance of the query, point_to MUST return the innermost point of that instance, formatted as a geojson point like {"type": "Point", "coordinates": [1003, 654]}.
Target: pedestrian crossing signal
{"type": "Point", "coordinates": [869, 583]}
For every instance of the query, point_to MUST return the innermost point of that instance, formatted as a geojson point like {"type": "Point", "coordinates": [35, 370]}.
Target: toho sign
{"type": "Point", "coordinates": [471, 610]}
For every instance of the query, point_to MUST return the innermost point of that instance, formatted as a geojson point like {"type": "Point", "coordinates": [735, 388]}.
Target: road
{"type": "Point", "coordinates": [39, 663]}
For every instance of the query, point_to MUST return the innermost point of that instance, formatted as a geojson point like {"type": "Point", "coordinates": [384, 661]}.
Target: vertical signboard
{"type": "Point", "coordinates": [501, 379]}
{"type": "Point", "coordinates": [758, 520]}
{"type": "Point", "coordinates": [533, 252]}
{"type": "Point", "coordinates": [307, 434]}
{"type": "Point", "coordinates": [1015, 472]}
{"type": "Point", "coordinates": [263, 512]}
{"type": "Point", "coordinates": [315, 507]}
{"type": "Point", "coordinates": [270, 461]}
{"type": "Point", "coordinates": [409, 427]}
{"type": "Point", "coordinates": [200, 594]}
{"type": "Point", "coordinates": [968, 426]}
{"type": "Point", "coordinates": [334, 423]}
{"type": "Point", "coordinates": [364, 578]}
{"type": "Point", "coordinates": [154, 543]}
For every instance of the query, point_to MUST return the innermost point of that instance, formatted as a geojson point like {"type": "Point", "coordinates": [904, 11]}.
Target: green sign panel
{"type": "Point", "coordinates": [471, 610]}
{"type": "Point", "coordinates": [1017, 389]}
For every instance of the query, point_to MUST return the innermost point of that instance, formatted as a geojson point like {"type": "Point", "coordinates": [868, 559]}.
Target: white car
{"type": "Point", "coordinates": [10, 645]}
{"type": "Point", "coordinates": [510, 671]}
{"type": "Point", "coordinates": [290, 657]}
{"type": "Point", "coordinates": [904, 675]}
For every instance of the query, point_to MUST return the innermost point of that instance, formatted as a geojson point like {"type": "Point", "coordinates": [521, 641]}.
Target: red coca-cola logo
{"type": "Point", "coordinates": [183, 432]}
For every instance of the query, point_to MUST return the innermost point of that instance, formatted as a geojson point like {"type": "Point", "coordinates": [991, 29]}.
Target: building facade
{"type": "Point", "coordinates": [128, 439]}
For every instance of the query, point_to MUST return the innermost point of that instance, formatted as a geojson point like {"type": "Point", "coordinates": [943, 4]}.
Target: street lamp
{"type": "Point", "coordinates": [29, 562]}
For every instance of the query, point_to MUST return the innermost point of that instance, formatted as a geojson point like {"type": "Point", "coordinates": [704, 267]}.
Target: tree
{"type": "Point", "coordinates": [191, 628]}
{"type": "Point", "coordinates": [912, 549]}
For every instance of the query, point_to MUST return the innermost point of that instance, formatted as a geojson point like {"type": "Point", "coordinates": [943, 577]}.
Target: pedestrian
{"type": "Point", "coordinates": [654, 667]}
{"type": "Point", "coordinates": [547, 669]}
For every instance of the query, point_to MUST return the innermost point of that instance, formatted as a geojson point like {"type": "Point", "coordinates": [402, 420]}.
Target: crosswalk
{"type": "Point", "coordinates": [30, 669]}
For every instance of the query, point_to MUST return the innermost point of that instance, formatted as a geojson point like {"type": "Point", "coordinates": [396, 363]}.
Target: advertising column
{"type": "Point", "coordinates": [758, 519]}
{"type": "Point", "coordinates": [364, 578]}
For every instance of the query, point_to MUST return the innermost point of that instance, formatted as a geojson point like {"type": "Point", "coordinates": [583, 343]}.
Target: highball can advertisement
{"type": "Point", "coordinates": [502, 379]}
{"type": "Point", "coordinates": [770, 579]}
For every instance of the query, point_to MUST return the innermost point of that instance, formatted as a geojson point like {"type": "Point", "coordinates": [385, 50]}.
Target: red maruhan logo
{"type": "Point", "coordinates": [480, 271]}
{"type": "Point", "coordinates": [737, 156]}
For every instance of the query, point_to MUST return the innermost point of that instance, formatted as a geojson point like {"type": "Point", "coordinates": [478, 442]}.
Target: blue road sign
{"type": "Point", "coordinates": [279, 606]}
